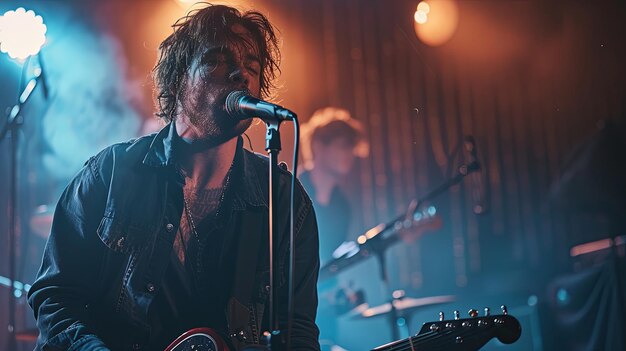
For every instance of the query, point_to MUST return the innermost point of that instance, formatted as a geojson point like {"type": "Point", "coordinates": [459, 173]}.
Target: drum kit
{"type": "Point", "coordinates": [374, 243]}
{"type": "Point", "coordinates": [400, 308]}
{"type": "Point", "coordinates": [592, 182]}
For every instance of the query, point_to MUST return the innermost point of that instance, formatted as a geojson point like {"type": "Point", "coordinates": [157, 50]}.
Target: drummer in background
{"type": "Point", "coordinates": [331, 142]}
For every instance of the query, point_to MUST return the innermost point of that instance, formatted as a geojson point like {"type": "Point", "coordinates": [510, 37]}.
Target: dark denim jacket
{"type": "Point", "coordinates": [112, 237]}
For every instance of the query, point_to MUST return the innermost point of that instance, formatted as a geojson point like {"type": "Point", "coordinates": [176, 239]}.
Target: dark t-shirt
{"type": "Point", "coordinates": [333, 222]}
{"type": "Point", "coordinates": [194, 294]}
{"type": "Point", "coordinates": [333, 219]}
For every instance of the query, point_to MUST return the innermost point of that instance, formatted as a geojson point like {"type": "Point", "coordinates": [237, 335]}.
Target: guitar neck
{"type": "Point", "coordinates": [461, 334]}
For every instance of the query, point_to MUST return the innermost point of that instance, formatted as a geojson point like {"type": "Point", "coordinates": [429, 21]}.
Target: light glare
{"type": "Point", "coordinates": [421, 17]}
{"type": "Point", "coordinates": [22, 33]}
{"type": "Point", "coordinates": [424, 7]}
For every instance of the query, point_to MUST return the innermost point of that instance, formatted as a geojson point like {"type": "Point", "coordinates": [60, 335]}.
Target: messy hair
{"type": "Point", "coordinates": [205, 28]}
{"type": "Point", "coordinates": [328, 124]}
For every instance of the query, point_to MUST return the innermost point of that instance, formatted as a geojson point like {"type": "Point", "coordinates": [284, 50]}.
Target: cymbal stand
{"type": "Point", "coordinates": [393, 313]}
{"type": "Point", "coordinates": [14, 122]}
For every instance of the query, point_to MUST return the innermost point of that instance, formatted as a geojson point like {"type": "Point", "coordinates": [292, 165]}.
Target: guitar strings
{"type": "Point", "coordinates": [442, 335]}
{"type": "Point", "coordinates": [466, 335]}
{"type": "Point", "coordinates": [428, 337]}
{"type": "Point", "coordinates": [400, 345]}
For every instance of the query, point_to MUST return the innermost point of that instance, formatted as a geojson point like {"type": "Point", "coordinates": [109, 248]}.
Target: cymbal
{"type": "Point", "coordinates": [404, 305]}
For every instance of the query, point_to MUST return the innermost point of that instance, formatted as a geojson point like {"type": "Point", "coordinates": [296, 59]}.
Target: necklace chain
{"type": "Point", "coordinates": [190, 219]}
{"type": "Point", "coordinates": [219, 205]}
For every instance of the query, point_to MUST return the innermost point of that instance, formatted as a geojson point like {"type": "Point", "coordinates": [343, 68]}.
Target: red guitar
{"type": "Point", "coordinates": [198, 339]}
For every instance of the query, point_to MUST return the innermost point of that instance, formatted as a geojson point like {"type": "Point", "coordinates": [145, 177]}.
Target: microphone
{"type": "Point", "coordinates": [240, 105]}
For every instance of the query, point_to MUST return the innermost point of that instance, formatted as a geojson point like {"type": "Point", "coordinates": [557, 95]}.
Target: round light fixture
{"type": "Point", "coordinates": [436, 21]}
{"type": "Point", "coordinates": [22, 33]}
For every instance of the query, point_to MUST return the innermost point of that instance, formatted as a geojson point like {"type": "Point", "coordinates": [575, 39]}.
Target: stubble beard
{"type": "Point", "coordinates": [212, 120]}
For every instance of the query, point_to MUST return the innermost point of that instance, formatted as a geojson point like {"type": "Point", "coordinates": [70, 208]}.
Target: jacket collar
{"type": "Point", "coordinates": [246, 185]}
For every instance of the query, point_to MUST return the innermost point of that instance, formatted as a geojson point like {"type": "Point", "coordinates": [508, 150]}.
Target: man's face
{"type": "Point", "coordinates": [335, 157]}
{"type": "Point", "coordinates": [210, 78]}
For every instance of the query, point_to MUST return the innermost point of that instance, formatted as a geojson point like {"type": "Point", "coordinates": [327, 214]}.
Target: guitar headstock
{"type": "Point", "coordinates": [461, 334]}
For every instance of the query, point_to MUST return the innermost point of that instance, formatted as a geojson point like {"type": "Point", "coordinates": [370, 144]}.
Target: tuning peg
{"type": "Point", "coordinates": [473, 313]}
{"type": "Point", "coordinates": [504, 310]}
{"type": "Point", "coordinates": [441, 316]}
{"type": "Point", "coordinates": [486, 311]}
{"type": "Point", "coordinates": [457, 315]}
{"type": "Point", "coordinates": [398, 294]}
{"type": "Point", "coordinates": [398, 225]}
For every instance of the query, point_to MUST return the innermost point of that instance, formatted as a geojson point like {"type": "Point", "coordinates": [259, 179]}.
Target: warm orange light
{"type": "Point", "coordinates": [198, 4]}
{"type": "Point", "coordinates": [590, 247]}
{"type": "Point", "coordinates": [190, 4]}
{"type": "Point", "coordinates": [438, 23]}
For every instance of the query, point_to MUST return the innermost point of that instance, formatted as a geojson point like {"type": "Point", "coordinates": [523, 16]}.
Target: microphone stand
{"type": "Point", "coordinates": [241, 105]}
{"type": "Point", "coordinates": [12, 127]}
{"type": "Point", "coordinates": [273, 147]}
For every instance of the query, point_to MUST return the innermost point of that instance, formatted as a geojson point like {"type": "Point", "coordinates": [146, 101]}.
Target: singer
{"type": "Point", "coordinates": [168, 232]}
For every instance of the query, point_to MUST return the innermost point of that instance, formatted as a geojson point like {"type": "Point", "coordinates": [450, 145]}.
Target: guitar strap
{"type": "Point", "coordinates": [238, 310]}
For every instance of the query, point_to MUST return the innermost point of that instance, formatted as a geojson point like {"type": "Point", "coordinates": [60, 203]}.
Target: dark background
{"type": "Point", "coordinates": [536, 83]}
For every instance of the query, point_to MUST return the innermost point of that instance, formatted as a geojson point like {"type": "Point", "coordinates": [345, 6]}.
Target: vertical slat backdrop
{"type": "Point", "coordinates": [526, 113]}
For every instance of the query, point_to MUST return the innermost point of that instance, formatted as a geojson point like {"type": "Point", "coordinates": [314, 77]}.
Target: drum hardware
{"type": "Point", "coordinates": [375, 242]}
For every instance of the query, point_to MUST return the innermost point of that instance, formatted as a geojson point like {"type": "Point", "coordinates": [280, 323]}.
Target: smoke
{"type": "Point", "coordinates": [92, 102]}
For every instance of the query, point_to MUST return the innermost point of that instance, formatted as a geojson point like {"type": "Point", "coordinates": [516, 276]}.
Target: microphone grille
{"type": "Point", "coordinates": [233, 102]}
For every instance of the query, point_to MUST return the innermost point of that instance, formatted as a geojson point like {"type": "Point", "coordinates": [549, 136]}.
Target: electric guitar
{"type": "Point", "coordinates": [459, 334]}
{"type": "Point", "coordinates": [467, 334]}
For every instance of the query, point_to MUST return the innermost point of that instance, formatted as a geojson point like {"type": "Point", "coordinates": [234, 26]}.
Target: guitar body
{"type": "Point", "coordinates": [198, 339]}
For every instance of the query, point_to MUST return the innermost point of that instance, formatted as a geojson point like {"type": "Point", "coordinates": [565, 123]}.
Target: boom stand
{"type": "Point", "coordinates": [382, 240]}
